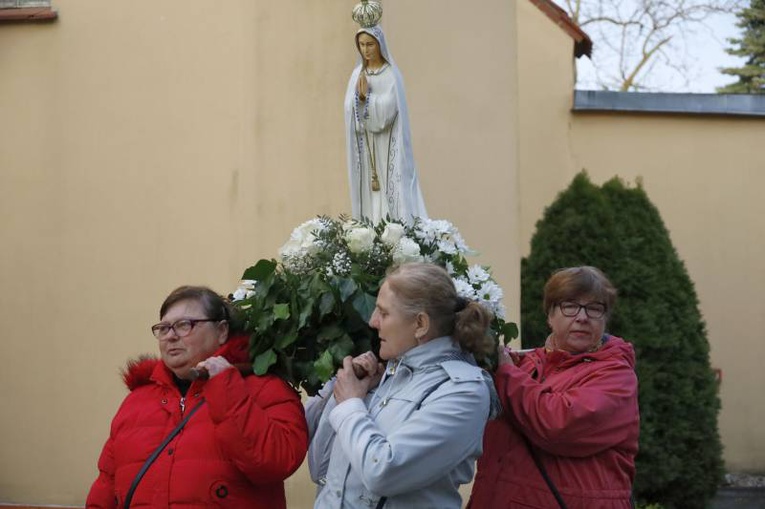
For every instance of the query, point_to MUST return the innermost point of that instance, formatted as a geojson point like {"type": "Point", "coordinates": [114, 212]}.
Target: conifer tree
{"type": "Point", "coordinates": [617, 229]}
{"type": "Point", "coordinates": [751, 76]}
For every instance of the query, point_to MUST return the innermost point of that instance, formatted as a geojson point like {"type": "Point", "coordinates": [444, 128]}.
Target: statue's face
{"type": "Point", "coordinates": [369, 49]}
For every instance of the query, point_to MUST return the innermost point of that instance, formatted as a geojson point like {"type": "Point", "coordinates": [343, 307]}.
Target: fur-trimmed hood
{"type": "Point", "coordinates": [138, 372]}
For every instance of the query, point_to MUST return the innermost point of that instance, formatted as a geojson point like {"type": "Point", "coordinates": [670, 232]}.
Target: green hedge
{"type": "Point", "coordinates": [618, 229]}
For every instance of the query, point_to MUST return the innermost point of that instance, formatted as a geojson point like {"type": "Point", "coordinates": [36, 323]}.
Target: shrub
{"type": "Point", "coordinates": [618, 229]}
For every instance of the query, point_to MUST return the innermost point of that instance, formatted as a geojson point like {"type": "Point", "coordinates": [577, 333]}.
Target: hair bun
{"type": "Point", "coordinates": [462, 303]}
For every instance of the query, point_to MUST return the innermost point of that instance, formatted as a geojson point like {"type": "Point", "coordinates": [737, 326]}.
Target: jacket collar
{"type": "Point", "coordinates": [612, 347]}
{"type": "Point", "coordinates": [148, 369]}
{"type": "Point", "coordinates": [434, 351]}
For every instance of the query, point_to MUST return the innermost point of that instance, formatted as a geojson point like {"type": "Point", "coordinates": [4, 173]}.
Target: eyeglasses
{"type": "Point", "coordinates": [593, 310]}
{"type": "Point", "coordinates": [182, 327]}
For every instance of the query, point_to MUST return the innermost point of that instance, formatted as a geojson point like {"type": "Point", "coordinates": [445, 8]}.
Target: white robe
{"type": "Point", "coordinates": [382, 124]}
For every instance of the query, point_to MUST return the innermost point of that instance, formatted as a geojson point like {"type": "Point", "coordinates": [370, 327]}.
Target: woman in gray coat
{"type": "Point", "coordinates": [406, 434]}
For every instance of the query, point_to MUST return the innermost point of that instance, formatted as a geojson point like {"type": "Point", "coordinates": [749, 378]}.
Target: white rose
{"type": "Point", "coordinates": [392, 234]}
{"type": "Point", "coordinates": [360, 240]}
{"type": "Point", "coordinates": [407, 250]}
{"type": "Point", "coordinates": [302, 240]}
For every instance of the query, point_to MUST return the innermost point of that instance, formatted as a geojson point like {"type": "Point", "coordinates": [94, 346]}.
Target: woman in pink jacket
{"type": "Point", "coordinates": [244, 435]}
{"type": "Point", "coordinates": [569, 432]}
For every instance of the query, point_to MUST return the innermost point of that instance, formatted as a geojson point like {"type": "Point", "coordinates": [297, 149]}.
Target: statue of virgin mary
{"type": "Point", "coordinates": [383, 177]}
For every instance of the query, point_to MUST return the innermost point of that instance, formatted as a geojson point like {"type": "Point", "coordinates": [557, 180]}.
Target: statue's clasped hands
{"type": "Point", "coordinates": [357, 376]}
{"type": "Point", "coordinates": [362, 86]}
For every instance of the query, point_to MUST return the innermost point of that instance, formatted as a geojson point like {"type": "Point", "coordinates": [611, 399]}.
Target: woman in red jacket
{"type": "Point", "coordinates": [569, 433]}
{"type": "Point", "coordinates": [246, 435]}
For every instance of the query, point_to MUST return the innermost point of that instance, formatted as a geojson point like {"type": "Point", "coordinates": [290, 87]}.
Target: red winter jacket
{"type": "Point", "coordinates": [234, 452]}
{"type": "Point", "coordinates": [580, 412]}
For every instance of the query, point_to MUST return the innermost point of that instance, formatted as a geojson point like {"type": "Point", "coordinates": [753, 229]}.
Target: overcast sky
{"type": "Point", "coordinates": [704, 54]}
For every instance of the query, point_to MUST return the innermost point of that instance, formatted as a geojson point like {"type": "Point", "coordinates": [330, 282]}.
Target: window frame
{"type": "Point", "coordinates": [20, 11]}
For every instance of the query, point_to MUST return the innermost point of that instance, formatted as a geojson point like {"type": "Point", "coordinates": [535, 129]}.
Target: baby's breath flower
{"type": "Point", "coordinates": [341, 264]}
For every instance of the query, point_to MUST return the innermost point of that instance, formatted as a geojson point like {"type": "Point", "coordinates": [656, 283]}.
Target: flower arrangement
{"type": "Point", "coordinates": [310, 309]}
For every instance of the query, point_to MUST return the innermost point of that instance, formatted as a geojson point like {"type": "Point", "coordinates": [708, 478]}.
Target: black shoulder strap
{"type": "Point", "coordinates": [538, 462]}
{"type": "Point", "coordinates": [155, 454]}
{"type": "Point", "coordinates": [543, 471]}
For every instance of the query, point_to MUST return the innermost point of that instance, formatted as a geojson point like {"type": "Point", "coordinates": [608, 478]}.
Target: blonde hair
{"type": "Point", "coordinates": [428, 288]}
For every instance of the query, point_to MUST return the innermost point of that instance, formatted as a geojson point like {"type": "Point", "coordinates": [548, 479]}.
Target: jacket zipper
{"type": "Point", "coordinates": [183, 404]}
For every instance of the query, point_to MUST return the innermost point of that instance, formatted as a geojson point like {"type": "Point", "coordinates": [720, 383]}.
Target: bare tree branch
{"type": "Point", "coordinates": [635, 38]}
{"type": "Point", "coordinates": [628, 83]}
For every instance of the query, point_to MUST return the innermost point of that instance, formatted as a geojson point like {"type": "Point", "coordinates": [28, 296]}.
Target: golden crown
{"type": "Point", "coordinates": [367, 13]}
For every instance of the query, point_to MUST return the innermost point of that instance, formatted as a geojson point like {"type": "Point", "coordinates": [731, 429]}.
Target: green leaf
{"type": "Point", "coordinates": [330, 331]}
{"type": "Point", "coordinates": [324, 367]}
{"type": "Point", "coordinates": [286, 340]}
{"type": "Point", "coordinates": [263, 361]}
{"type": "Point", "coordinates": [264, 322]}
{"type": "Point", "coordinates": [281, 311]}
{"type": "Point", "coordinates": [347, 288]}
{"type": "Point", "coordinates": [305, 312]}
{"type": "Point", "coordinates": [261, 270]}
{"type": "Point", "coordinates": [326, 304]}
{"type": "Point", "coordinates": [364, 304]}
{"type": "Point", "coordinates": [341, 347]}
{"type": "Point", "coordinates": [509, 331]}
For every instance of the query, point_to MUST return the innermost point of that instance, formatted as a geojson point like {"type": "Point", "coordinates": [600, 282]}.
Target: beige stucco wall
{"type": "Point", "coordinates": [545, 84]}
{"type": "Point", "coordinates": [706, 177]}
{"type": "Point", "coordinates": [147, 145]}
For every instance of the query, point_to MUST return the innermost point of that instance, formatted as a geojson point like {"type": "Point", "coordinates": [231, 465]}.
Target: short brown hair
{"type": "Point", "coordinates": [215, 306]}
{"type": "Point", "coordinates": [573, 283]}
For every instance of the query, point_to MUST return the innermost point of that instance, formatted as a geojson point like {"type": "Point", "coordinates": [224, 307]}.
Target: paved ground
{"type": "Point", "coordinates": [739, 498]}
{"type": "Point", "coordinates": [741, 491]}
